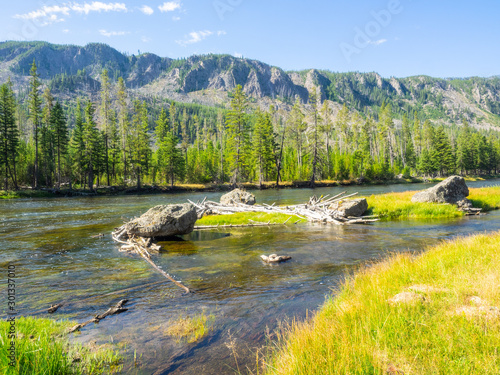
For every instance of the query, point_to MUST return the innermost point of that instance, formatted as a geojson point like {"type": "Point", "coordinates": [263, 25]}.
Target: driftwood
{"type": "Point", "coordinates": [117, 309]}
{"type": "Point", "coordinates": [315, 210]}
{"type": "Point", "coordinates": [52, 309]}
{"type": "Point", "coordinates": [143, 247]}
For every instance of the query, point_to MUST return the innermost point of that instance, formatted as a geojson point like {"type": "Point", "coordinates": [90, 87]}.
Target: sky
{"type": "Point", "coordinates": [400, 38]}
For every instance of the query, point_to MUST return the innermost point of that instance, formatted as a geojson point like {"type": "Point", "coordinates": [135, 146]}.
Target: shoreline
{"type": "Point", "coordinates": [187, 188]}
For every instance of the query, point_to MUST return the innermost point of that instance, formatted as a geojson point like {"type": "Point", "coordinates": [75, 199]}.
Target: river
{"type": "Point", "coordinates": [49, 241]}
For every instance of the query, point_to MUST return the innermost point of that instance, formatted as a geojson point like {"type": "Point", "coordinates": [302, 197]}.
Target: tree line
{"type": "Point", "coordinates": [116, 140]}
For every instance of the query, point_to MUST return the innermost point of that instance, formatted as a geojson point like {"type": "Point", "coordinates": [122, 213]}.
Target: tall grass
{"type": "Point", "coordinates": [191, 328]}
{"type": "Point", "coordinates": [487, 198]}
{"type": "Point", "coordinates": [359, 332]}
{"type": "Point", "coordinates": [42, 347]}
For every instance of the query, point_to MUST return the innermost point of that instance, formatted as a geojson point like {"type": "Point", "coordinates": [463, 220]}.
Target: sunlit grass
{"type": "Point", "coordinates": [191, 328]}
{"type": "Point", "coordinates": [241, 218]}
{"type": "Point", "coordinates": [487, 198]}
{"type": "Point", "coordinates": [42, 347]}
{"type": "Point", "coordinates": [359, 332]}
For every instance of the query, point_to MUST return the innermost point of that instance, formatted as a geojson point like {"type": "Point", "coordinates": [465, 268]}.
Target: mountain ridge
{"type": "Point", "coordinates": [208, 79]}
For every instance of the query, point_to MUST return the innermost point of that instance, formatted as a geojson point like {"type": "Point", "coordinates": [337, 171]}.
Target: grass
{"type": "Point", "coordinates": [359, 332]}
{"type": "Point", "coordinates": [11, 194]}
{"type": "Point", "coordinates": [191, 328]}
{"type": "Point", "coordinates": [398, 206]}
{"type": "Point", "coordinates": [241, 218]}
{"type": "Point", "coordinates": [42, 348]}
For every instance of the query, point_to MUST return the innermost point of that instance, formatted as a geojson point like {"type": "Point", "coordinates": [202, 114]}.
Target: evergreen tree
{"type": "Point", "coordinates": [105, 116]}
{"type": "Point", "coordinates": [123, 125]}
{"type": "Point", "coordinates": [9, 134]}
{"type": "Point", "coordinates": [140, 151]}
{"type": "Point", "coordinates": [238, 135]}
{"type": "Point", "coordinates": [314, 101]}
{"type": "Point", "coordinates": [77, 145]}
{"type": "Point", "coordinates": [60, 129]}
{"type": "Point", "coordinates": [263, 145]}
{"type": "Point", "coordinates": [91, 139]}
{"type": "Point", "coordinates": [35, 110]}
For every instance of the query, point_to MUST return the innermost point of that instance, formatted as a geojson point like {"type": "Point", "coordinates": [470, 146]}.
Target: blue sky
{"type": "Point", "coordinates": [392, 37]}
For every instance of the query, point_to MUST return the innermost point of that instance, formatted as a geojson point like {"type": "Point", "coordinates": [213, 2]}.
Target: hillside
{"type": "Point", "coordinates": [72, 70]}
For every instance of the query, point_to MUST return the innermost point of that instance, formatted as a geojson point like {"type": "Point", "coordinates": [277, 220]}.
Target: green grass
{"type": "Point", "coordinates": [398, 206]}
{"type": "Point", "coordinates": [191, 328]}
{"type": "Point", "coordinates": [241, 218]}
{"type": "Point", "coordinates": [486, 198]}
{"type": "Point", "coordinates": [10, 194]}
{"type": "Point", "coordinates": [42, 347]}
{"type": "Point", "coordinates": [359, 332]}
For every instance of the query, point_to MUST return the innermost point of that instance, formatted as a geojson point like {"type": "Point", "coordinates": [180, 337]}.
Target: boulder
{"type": "Point", "coordinates": [164, 221]}
{"type": "Point", "coordinates": [237, 196]}
{"type": "Point", "coordinates": [351, 207]}
{"type": "Point", "coordinates": [452, 190]}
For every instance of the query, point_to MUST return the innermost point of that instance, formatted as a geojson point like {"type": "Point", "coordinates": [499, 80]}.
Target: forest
{"type": "Point", "coordinates": [118, 140]}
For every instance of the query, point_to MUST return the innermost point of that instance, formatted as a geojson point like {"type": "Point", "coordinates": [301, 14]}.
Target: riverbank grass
{"type": "Point", "coordinates": [398, 206]}
{"type": "Point", "coordinates": [42, 348]}
{"type": "Point", "coordinates": [242, 218]}
{"type": "Point", "coordinates": [191, 328]}
{"type": "Point", "coordinates": [450, 325]}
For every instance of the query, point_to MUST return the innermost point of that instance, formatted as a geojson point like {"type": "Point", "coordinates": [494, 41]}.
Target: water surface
{"type": "Point", "coordinates": [49, 241]}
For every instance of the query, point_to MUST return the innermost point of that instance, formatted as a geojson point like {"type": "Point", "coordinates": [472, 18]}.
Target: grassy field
{"type": "Point", "coordinates": [42, 348]}
{"type": "Point", "coordinates": [248, 218]}
{"type": "Point", "coordinates": [450, 325]}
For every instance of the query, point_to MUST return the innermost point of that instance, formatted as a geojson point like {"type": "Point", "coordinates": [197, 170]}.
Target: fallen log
{"type": "Point", "coordinates": [117, 309]}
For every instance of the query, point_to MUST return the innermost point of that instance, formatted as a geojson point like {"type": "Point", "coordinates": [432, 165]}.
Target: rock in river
{"type": "Point", "coordinates": [452, 190]}
{"type": "Point", "coordinates": [164, 221]}
{"type": "Point", "coordinates": [351, 207]}
{"type": "Point", "coordinates": [237, 196]}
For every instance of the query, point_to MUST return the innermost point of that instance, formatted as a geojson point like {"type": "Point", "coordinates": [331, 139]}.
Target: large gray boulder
{"type": "Point", "coordinates": [453, 190]}
{"type": "Point", "coordinates": [164, 221]}
{"type": "Point", "coordinates": [237, 196]}
{"type": "Point", "coordinates": [351, 207]}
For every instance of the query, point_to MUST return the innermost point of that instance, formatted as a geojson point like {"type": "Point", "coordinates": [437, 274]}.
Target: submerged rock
{"type": "Point", "coordinates": [274, 258]}
{"type": "Point", "coordinates": [164, 221]}
{"type": "Point", "coordinates": [453, 190]}
{"type": "Point", "coordinates": [351, 207]}
{"type": "Point", "coordinates": [237, 196]}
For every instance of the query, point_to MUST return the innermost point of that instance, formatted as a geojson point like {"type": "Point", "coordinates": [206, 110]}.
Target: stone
{"type": "Point", "coordinates": [164, 221]}
{"type": "Point", "coordinates": [452, 190]}
{"type": "Point", "coordinates": [274, 258]}
{"type": "Point", "coordinates": [351, 207]}
{"type": "Point", "coordinates": [237, 196]}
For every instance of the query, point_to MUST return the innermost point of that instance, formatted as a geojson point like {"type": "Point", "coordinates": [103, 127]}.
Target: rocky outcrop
{"type": "Point", "coordinates": [351, 207]}
{"type": "Point", "coordinates": [453, 190]}
{"type": "Point", "coordinates": [237, 196]}
{"type": "Point", "coordinates": [164, 221]}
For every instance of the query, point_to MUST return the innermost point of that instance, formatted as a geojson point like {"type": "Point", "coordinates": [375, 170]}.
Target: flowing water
{"type": "Point", "coordinates": [49, 241]}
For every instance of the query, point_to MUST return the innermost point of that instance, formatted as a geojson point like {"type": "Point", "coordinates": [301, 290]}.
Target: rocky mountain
{"type": "Point", "coordinates": [72, 70]}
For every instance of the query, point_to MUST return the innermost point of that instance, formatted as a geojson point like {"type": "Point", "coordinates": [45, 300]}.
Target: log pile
{"type": "Point", "coordinates": [117, 309]}
{"type": "Point", "coordinates": [315, 210]}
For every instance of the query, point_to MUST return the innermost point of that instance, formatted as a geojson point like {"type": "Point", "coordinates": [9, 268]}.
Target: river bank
{"type": "Point", "coordinates": [186, 188]}
{"type": "Point", "coordinates": [445, 318]}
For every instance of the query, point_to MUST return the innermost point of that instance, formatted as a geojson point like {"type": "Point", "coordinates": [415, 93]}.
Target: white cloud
{"type": "Point", "coordinates": [378, 42]}
{"type": "Point", "coordinates": [195, 37]}
{"type": "Point", "coordinates": [47, 15]}
{"type": "Point", "coordinates": [65, 31]}
{"type": "Point", "coordinates": [98, 6]}
{"type": "Point", "coordinates": [145, 39]}
{"type": "Point", "coordinates": [176, 18]}
{"type": "Point", "coordinates": [169, 6]}
{"type": "Point", "coordinates": [221, 32]}
{"type": "Point", "coordinates": [238, 55]}
{"type": "Point", "coordinates": [113, 33]}
{"type": "Point", "coordinates": [147, 10]}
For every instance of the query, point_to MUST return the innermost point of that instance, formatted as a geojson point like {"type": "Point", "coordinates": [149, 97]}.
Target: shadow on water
{"type": "Point", "coordinates": [56, 258]}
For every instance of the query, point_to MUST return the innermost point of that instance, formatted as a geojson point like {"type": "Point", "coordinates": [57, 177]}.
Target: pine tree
{"type": "Point", "coordinates": [263, 145]}
{"type": "Point", "coordinates": [238, 135]}
{"type": "Point", "coordinates": [314, 101]}
{"type": "Point", "coordinates": [91, 144]}
{"type": "Point", "coordinates": [105, 116]}
{"type": "Point", "coordinates": [60, 129]}
{"type": "Point", "coordinates": [297, 128]}
{"type": "Point", "coordinates": [140, 151]}
{"type": "Point", "coordinates": [442, 153]}
{"type": "Point", "coordinates": [35, 110]}
{"type": "Point", "coordinates": [9, 134]}
{"type": "Point", "coordinates": [77, 145]}
{"type": "Point", "coordinates": [123, 125]}
{"type": "Point", "coordinates": [173, 161]}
